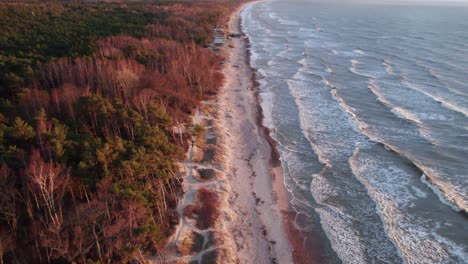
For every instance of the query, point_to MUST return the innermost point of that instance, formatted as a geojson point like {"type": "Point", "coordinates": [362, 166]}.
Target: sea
{"type": "Point", "coordinates": [369, 106]}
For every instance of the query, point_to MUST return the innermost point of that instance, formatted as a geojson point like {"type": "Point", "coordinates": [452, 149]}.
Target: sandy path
{"type": "Point", "coordinates": [186, 230]}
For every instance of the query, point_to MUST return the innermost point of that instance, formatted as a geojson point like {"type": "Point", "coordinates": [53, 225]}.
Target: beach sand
{"type": "Point", "coordinates": [255, 221]}
{"type": "Point", "coordinates": [254, 174]}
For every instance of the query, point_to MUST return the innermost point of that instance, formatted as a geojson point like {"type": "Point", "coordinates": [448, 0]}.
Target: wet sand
{"type": "Point", "coordinates": [258, 198]}
{"type": "Point", "coordinates": [303, 245]}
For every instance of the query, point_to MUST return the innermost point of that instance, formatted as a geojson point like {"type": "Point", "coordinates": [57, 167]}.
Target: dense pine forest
{"type": "Point", "coordinates": [89, 95]}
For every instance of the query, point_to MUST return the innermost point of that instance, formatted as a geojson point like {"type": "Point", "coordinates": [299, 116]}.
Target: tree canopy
{"type": "Point", "coordinates": [89, 95]}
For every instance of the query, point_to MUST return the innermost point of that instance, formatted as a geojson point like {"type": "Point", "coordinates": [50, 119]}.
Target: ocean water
{"type": "Point", "coordinates": [369, 106]}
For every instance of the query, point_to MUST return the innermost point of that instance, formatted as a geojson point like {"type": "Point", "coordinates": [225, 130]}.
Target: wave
{"type": "Point", "coordinates": [446, 80]}
{"type": "Point", "coordinates": [340, 239]}
{"type": "Point", "coordinates": [287, 22]}
{"type": "Point", "coordinates": [267, 103]}
{"type": "Point", "coordinates": [345, 241]}
{"type": "Point", "coordinates": [402, 204]}
{"type": "Point", "coordinates": [400, 112]}
{"type": "Point", "coordinates": [273, 15]}
{"type": "Point", "coordinates": [438, 98]}
{"type": "Point", "coordinates": [308, 30]}
{"type": "Point", "coordinates": [442, 196]}
{"type": "Point", "coordinates": [362, 126]}
{"type": "Point", "coordinates": [434, 93]}
{"type": "Point", "coordinates": [453, 191]}
{"type": "Point", "coordinates": [450, 193]}
{"type": "Point", "coordinates": [409, 115]}
{"type": "Point", "coordinates": [449, 83]}
{"type": "Point", "coordinates": [359, 51]}
{"type": "Point", "coordinates": [388, 67]}
{"type": "Point", "coordinates": [315, 112]}
{"type": "Point", "coordinates": [405, 114]}
{"type": "Point", "coordinates": [340, 227]}
{"type": "Point", "coordinates": [372, 74]}
{"type": "Point", "coordinates": [415, 76]}
{"type": "Point", "coordinates": [341, 138]}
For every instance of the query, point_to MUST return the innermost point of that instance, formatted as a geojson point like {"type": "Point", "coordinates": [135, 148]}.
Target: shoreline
{"type": "Point", "coordinates": [258, 196]}
{"type": "Point", "coordinates": [256, 223]}
{"type": "Point", "coordinates": [297, 239]}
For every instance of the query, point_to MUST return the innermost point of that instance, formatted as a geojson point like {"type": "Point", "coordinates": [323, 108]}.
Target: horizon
{"type": "Point", "coordinates": [449, 3]}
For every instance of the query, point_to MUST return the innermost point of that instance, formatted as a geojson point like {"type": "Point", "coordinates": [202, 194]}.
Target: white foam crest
{"type": "Point", "coordinates": [388, 67]}
{"type": "Point", "coordinates": [254, 56]}
{"type": "Point", "coordinates": [304, 73]}
{"type": "Point", "coordinates": [344, 240]}
{"type": "Point", "coordinates": [283, 53]}
{"type": "Point", "coordinates": [308, 30]}
{"type": "Point", "coordinates": [273, 15]}
{"type": "Point", "coordinates": [287, 22]}
{"type": "Point", "coordinates": [366, 73]}
{"type": "Point", "coordinates": [375, 89]}
{"type": "Point", "coordinates": [361, 125]}
{"type": "Point", "coordinates": [303, 62]}
{"type": "Point", "coordinates": [396, 194]}
{"type": "Point", "coordinates": [267, 102]}
{"type": "Point", "coordinates": [450, 193]}
{"type": "Point", "coordinates": [405, 114]}
{"type": "Point", "coordinates": [262, 72]}
{"type": "Point", "coordinates": [321, 189]}
{"type": "Point", "coordinates": [444, 197]}
{"type": "Point", "coordinates": [387, 178]}
{"type": "Point", "coordinates": [401, 111]}
{"type": "Point", "coordinates": [326, 125]}
{"type": "Point", "coordinates": [434, 116]}
{"type": "Point", "coordinates": [359, 51]}
{"type": "Point", "coordinates": [312, 43]}
{"type": "Point", "coordinates": [270, 63]}
{"type": "Point", "coordinates": [449, 105]}
{"type": "Point", "coordinates": [327, 82]}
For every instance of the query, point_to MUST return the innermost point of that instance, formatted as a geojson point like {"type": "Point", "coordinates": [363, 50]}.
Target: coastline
{"type": "Point", "coordinates": [303, 246]}
{"type": "Point", "coordinates": [255, 222]}
{"type": "Point", "coordinates": [253, 152]}
{"type": "Point", "coordinates": [299, 247]}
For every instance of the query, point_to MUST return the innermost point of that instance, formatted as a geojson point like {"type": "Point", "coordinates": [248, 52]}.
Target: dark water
{"type": "Point", "coordinates": [369, 105]}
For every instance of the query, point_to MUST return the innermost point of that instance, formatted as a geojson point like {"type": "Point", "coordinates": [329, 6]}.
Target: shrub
{"type": "Point", "coordinates": [209, 208]}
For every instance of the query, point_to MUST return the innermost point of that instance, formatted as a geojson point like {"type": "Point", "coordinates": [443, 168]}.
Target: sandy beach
{"type": "Point", "coordinates": [254, 175]}
{"type": "Point", "coordinates": [252, 226]}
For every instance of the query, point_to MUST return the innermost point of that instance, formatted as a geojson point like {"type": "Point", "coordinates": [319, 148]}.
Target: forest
{"type": "Point", "coordinates": [89, 95]}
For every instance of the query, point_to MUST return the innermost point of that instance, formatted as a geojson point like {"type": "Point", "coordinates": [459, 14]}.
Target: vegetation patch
{"type": "Point", "coordinates": [211, 139]}
{"type": "Point", "coordinates": [197, 243]}
{"type": "Point", "coordinates": [210, 240]}
{"type": "Point", "coordinates": [191, 211]}
{"type": "Point", "coordinates": [209, 153]}
{"type": "Point", "coordinates": [89, 94]}
{"type": "Point", "coordinates": [206, 174]}
{"type": "Point", "coordinates": [210, 257]}
{"type": "Point", "coordinates": [208, 210]}
{"type": "Point", "coordinates": [185, 245]}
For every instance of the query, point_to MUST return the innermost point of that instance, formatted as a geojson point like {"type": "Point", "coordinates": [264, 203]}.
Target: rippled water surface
{"type": "Point", "coordinates": [369, 105]}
